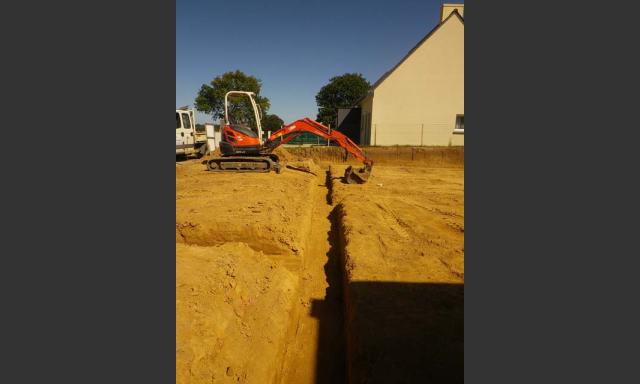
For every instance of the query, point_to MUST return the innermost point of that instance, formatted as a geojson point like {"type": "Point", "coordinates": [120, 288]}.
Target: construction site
{"type": "Point", "coordinates": [337, 261]}
{"type": "Point", "coordinates": [300, 277]}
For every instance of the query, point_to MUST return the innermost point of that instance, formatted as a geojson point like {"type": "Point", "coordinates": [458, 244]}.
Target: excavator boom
{"type": "Point", "coordinates": [307, 125]}
{"type": "Point", "coordinates": [300, 126]}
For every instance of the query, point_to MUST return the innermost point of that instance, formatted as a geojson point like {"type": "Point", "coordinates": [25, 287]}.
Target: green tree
{"type": "Point", "coordinates": [210, 98]}
{"type": "Point", "coordinates": [341, 92]}
{"type": "Point", "coordinates": [271, 123]}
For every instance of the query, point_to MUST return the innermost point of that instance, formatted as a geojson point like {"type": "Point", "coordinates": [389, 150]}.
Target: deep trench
{"type": "Point", "coordinates": [317, 353]}
{"type": "Point", "coordinates": [331, 357]}
{"type": "Point", "coordinates": [328, 183]}
{"type": "Point", "coordinates": [373, 331]}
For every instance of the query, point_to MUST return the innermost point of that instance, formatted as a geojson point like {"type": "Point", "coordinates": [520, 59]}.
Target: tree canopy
{"type": "Point", "coordinates": [210, 98]}
{"type": "Point", "coordinates": [341, 92]}
{"type": "Point", "coordinates": [271, 123]}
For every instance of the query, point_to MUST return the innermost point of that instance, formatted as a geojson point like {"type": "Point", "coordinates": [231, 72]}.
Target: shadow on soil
{"type": "Point", "coordinates": [405, 332]}
{"type": "Point", "coordinates": [396, 333]}
{"type": "Point", "coordinates": [330, 360]}
{"type": "Point", "coordinates": [386, 332]}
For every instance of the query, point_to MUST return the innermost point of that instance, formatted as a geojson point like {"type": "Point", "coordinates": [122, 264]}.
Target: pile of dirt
{"type": "Point", "coordinates": [322, 153]}
{"type": "Point", "coordinates": [284, 155]}
{"type": "Point", "coordinates": [233, 308]}
{"type": "Point", "coordinates": [441, 157]}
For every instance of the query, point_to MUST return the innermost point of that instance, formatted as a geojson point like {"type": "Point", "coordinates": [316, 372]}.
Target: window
{"type": "Point", "coordinates": [178, 120]}
{"type": "Point", "coordinates": [186, 121]}
{"type": "Point", "coordinates": [459, 124]}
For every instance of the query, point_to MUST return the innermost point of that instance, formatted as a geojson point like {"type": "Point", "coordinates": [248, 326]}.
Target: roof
{"type": "Point", "coordinates": [389, 72]}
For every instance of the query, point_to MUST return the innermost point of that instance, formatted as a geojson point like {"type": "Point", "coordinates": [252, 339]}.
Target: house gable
{"type": "Point", "coordinates": [454, 15]}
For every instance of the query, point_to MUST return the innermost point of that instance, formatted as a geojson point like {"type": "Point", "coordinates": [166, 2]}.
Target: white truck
{"type": "Point", "coordinates": [189, 140]}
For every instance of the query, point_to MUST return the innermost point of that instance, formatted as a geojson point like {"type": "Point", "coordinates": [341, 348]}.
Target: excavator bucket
{"type": "Point", "coordinates": [358, 176]}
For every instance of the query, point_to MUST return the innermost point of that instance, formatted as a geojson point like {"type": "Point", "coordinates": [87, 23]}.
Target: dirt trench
{"type": "Point", "coordinates": [258, 278]}
{"type": "Point", "coordinates": [299, 278]}
{"type": "Point", "coordinates": [316, 353]}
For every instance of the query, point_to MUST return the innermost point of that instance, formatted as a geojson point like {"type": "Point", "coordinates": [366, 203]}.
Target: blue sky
{"type": "Point", "coordinates": [294, 47]}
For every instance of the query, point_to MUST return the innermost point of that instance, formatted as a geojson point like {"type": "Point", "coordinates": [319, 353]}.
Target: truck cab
{"type": "Point", "coordinates": [189, 142]}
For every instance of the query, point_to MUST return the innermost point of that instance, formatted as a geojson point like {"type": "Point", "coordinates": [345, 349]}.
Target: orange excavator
{"type": "Point", "coordinates": [243, 149]}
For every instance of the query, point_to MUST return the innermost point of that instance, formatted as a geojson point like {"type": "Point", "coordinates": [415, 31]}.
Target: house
{"type": "Point", "coordinates": [420, 101]}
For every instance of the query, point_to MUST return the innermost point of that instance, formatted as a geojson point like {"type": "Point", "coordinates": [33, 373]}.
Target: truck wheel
{"type": "Point", "coordinates": [201, 151]}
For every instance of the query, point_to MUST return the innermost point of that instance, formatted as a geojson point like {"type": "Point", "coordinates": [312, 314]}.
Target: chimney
{"type": "Point", "coordinates": [447, 8]}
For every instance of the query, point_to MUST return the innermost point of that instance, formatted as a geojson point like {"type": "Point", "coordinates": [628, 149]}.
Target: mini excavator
{"type": "Point", "coordinates": [243, 150]}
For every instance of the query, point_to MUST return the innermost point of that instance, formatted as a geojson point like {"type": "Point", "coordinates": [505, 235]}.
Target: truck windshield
{"type": "Point", "coordinates": [178, 121]}
{"type": "Point", "coordinates": [186, 121]}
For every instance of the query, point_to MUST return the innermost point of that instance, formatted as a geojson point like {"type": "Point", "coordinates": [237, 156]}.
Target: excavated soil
{"type": "Point", "coordinates": [300, 278]}
{"type": "Point", "coordinates": [232, 313]}
{"type": "Point", "coordinates": [268, 212]}
{"type": "Point", "coordinates": [403, 240]}
{"type": "Point", "coordinates": [405, 223]}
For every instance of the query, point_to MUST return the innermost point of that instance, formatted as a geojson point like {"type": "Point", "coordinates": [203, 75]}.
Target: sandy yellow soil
{"type": "Point", "coordinates": [406, 224]}
{"type": "Point", "coordinates": [403, 241]}
{"type": "Point", "coordinates": [232, 312]}
{"type": "Point", "coordinates": [300, 278]}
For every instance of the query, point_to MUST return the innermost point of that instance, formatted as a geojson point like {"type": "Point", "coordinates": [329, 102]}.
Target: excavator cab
{"type": "Point", "coordinates": [243, 114]}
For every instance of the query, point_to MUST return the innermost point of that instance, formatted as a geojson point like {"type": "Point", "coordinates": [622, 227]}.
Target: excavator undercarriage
{"type": "Point", "coordinates": [263, 163]}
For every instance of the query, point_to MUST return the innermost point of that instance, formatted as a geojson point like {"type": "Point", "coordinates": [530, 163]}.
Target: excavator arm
{"type": "Point", "coordinates": [298, 127]}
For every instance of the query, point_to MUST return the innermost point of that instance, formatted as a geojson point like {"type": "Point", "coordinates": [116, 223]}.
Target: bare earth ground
{"type": "Point", "coordinates": [406, 223]}
{"type": "Point", "coordinates": [239, 243]}
{"type": "Point", "coordinates": [299, 278]}
{"type": "Point", "coordinates": [403, 239]}
{"type": "Point", "coordinates": [231, 313]}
